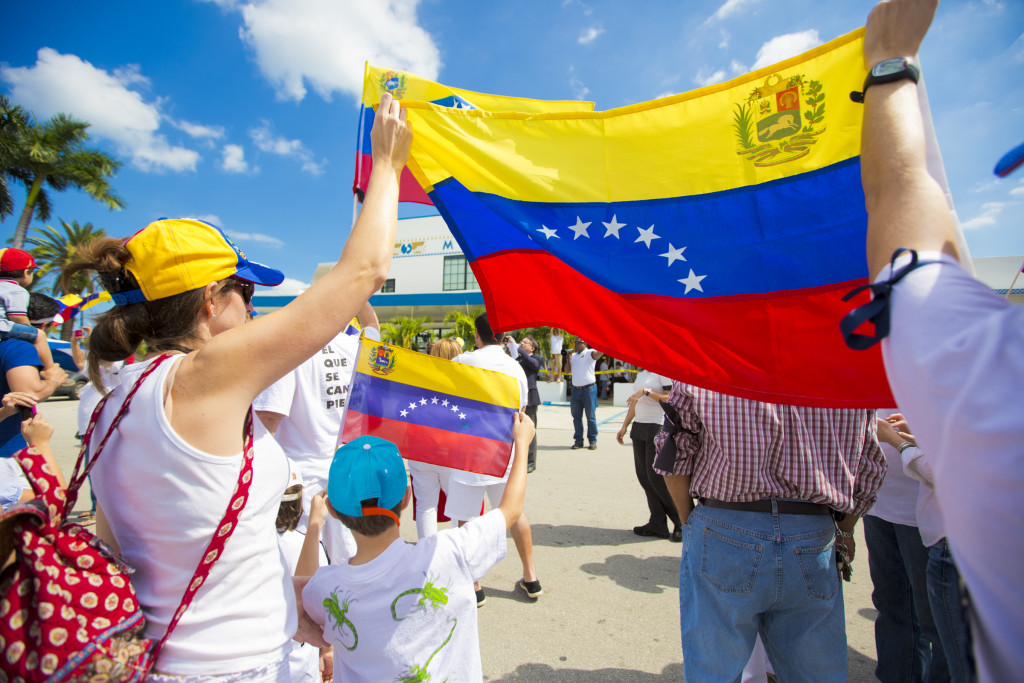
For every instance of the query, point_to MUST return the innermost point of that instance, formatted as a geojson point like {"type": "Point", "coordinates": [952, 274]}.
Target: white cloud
{"type": "Point", "coordinates": [724, 42]}
{"type": "Point", "coordinates": [786, 46]}
{"type": "Point", "coordinates": [579, 89]}
{"type": "Point", "coordinates": [703, 78]}
{"type": "Point", "coordinates": [322, 44]}
{"type": "Point", "coordinates": [66, 83]}
{"type": "Point", "coordinates": [589, 35]}
{"type": "Point", "coordinates": [1017, 50]}
{"type": "Point", "coordinates": [211, 218]}
{"type": "Point", "coordinates": [1019, 190]}
{"type": "Point", "coordinates": [667, 93]}
{"type": "Point", "coordinates": [198, 130]}
{"type": "Point", "coordinates": [729, 8]}
{"type": "Point", "coordinates": [290, 285]}
{"type": "Point", "coordinates": [267, 141]}
{"type": "Point", "coordinates": [989, 214]}
{"type": "Point", "coordinates": [736, 68]}
{"type": "Point", "coordinates": [269, 240]}
{"type": "Point", "coordinates": [233, 159]}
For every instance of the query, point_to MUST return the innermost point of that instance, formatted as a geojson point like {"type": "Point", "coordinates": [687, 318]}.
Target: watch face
{"type": "Point", "coordinates": [889, 66]}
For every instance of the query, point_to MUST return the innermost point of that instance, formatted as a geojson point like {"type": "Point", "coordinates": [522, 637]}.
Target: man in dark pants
{"type": "Point", "coordinates": [526, 354]}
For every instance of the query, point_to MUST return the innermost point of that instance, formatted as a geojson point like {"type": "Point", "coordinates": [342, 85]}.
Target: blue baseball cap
{"type": "Point", "coordinates": [367, 469]}
{"type": "Point", "coordinates": [1010, 162]}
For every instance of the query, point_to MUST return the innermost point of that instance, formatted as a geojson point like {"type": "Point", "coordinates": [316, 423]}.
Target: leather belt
{"type": "Point", "coordinates": [785, 507]}
{"type": "Point", "coordinates": [584, 386]}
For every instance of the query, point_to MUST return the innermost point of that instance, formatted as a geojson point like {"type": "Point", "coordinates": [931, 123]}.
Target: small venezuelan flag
{"type": "Point", "coordinates": [434, 410]}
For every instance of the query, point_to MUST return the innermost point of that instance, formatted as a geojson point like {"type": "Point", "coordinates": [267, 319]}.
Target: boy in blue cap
{"type": "Point", "coordinates": [397, 610]}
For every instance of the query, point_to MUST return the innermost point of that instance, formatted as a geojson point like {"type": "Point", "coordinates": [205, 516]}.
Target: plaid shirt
{"type": "Point", "coordinates": [739, 450]}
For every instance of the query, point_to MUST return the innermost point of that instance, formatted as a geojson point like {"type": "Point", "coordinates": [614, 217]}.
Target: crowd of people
{"type": "Point", "coordinates": [236, 467]}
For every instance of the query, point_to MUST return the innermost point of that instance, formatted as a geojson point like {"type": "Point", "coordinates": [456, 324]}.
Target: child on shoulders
{"type": "Point", "coordinates": [400, 610]}
{"type": "Point", "coordinates": [16, 271]}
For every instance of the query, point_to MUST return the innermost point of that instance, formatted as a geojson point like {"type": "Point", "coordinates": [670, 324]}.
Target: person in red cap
{"type": "Point", "coordinates": [17, 268]}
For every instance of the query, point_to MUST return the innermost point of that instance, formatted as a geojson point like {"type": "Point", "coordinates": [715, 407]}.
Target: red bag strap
{"type": "Point", "coordinates": [225, 527]}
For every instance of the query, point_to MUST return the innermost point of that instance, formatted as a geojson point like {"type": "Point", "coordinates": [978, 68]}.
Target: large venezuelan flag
{"type": "Point", "coordinates": [377, 81]}
{"type": "Point", "coordinates": [434, 410]}
{"type": "Point", "coordinates": [708, 237]}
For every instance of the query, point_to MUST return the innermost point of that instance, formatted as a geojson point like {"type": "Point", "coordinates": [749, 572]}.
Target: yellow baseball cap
{"type": "Point", "coordinates": [175, 255]}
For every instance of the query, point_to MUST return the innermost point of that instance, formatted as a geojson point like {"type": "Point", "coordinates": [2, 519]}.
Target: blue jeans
{"type": "Point", "coordinates": [583, 398]}
{"type": "Point", "coordinates": [908, 647]}
{"type": "Point", "coordinates": [744, 573]}
{"type": "Point", "coordinates": [948, 610]}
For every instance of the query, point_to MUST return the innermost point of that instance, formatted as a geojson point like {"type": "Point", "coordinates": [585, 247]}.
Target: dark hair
{"type": "Point", "coordinates": [167, 324]}
{"type": "Point", "coordinates": [13, 274]}
{"type": "Point", "coordinates": [290, 511]}
{"type": "Point", "coordinates": [483, 328]}
{"type": "Point", "coordinates": [41, 307]}
{"type": "Point", "coordinates": [371, 525]}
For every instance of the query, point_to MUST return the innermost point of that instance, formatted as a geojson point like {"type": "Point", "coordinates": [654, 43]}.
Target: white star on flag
{"type": "Point", "coordinates": [455, 408]}
{"type": "Point", "coordinates": [580, 229]}
{"type": "Point", "coordinates": [548, 232]}
{"type": "Point", "coordinates": [433, 400]}
{"type": "Point", "coordinates": [646, 236]}
{"type": "Point", "coordinates": [404, 413]}
{"type": "Point", "coordinates": [445, 403]}
{"type": "Point", "coordinates": [412, 406]}
{"type": "Point", "coordinates": [693, 282]}
{"type": "Point", "coordinates": [462, 416]}
{"type": "Point", "coordinates": [423, 401]}
{"type": "Point", "coordinates": [613, 227]}
{"type": "Point", "coordinates": [674, 254]}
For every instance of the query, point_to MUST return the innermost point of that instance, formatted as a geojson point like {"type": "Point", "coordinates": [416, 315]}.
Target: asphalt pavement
{"type": "Point", "coordinates": [610, 610]}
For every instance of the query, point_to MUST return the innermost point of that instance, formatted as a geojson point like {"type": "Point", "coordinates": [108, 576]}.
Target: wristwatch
{"type": "Point", "coordinates": [888, 71]}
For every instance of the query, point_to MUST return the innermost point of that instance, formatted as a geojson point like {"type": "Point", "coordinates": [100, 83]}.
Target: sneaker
{"type": "Point", "coordinates": [648, 530]}
{"type": "Point", "coordinates": [480, 598]}
{"type": "Point", "coordinates": [577, 446]}
{"type": "Point", "coordinates": [592, 446]}
{"type": "Point", "coordinates": [532, 588]}
{"type": "Point", "coordinates": [677, 535]}
{"type": "Point", "coordinates": [530, 467]}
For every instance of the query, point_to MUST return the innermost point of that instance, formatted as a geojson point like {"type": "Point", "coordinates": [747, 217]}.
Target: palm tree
{"type": "Point", "coordinates": [463, 324]}
{"type": "Point", "coordinates": [53, 249]}
{"type": "Point", "coordinates": [13, 122]}
{"type": "Point", "coordinates": [402, 330]}
{"type": "Point", "coordinates": [53, 153]}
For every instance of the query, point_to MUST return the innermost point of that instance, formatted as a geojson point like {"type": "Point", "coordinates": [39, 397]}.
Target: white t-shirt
{"type": "Point", "coordinates": [556, 344]}
{"type": "Point", "coordinates": [13, 299]}
{"type": "Point", "coordinates": [313, 397]}
{"type": "Point", "coordinates": [955, 361]}
{"type": "Point", "coordinates": [896, 499]}
{"type": "Point", "coordinates": [164, 500]}
{"type": "Point", "coordinates": [647, 410]}
{"type": "Point", "coordinates": [582, 365]}
{"type": "Point", "coordinates": [491, 357]}
{"type": "Point", "coordinates": [410, 610]}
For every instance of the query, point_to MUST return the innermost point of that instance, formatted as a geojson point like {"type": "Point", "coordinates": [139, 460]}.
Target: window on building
{"type": "Point", "coordinates": [457, 274]}
{"type": "Point", "coordinates": [389, 286]}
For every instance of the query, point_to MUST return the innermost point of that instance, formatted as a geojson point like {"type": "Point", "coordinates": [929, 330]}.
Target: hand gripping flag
{"type": "Point", "coordinates": [402, 85]}
{"type": "Point", "coordinates": [434, 410]}
{"type": "Point", "coordinates": [708, 237]}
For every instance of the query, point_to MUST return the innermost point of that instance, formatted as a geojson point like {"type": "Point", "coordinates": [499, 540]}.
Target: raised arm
{"type": "Point", "coordinates": [224, 368]}
{"type": "Point", "coordinates": [906, 206]}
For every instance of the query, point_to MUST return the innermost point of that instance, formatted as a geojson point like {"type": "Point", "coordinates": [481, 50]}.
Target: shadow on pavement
{"type": "Point", "coordinates": [645, 575]}
{"type": "Point", "coordinates": [542, 672]}
{"type": "Point", "coordinates": [574, 535]}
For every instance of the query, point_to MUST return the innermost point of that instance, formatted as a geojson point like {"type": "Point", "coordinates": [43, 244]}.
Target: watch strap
{"type": "Point", "coordinates": [909, 71]}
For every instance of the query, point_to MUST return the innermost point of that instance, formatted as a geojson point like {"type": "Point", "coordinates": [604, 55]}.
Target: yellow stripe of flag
{"type": "Point", "coordinates": [688, 144]}
{"type": "Point", "coordinates": [396, 364]}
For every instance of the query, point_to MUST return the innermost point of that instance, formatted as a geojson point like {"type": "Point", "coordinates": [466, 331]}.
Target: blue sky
{"type": "Point", "coordinates": [245, 113]}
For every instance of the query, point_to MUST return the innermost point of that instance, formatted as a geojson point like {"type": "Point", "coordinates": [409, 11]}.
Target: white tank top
{"type": "Point", "coordinates": [163, 499]}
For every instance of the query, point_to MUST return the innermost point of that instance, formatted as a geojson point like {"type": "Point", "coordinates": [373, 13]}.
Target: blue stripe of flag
{"type": "Point", "coordinates": [384, 398]}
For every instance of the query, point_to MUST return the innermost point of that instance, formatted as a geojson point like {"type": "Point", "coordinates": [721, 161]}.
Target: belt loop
{"type": "Point", "coordinates": [775, 506]}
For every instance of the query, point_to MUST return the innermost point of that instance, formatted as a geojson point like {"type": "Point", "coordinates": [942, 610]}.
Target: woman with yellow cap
{"type": "Point", "coordinates": [174, 479]}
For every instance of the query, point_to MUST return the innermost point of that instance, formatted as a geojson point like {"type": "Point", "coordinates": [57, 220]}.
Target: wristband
{"type": "Point", "coordinates": [904, 446]}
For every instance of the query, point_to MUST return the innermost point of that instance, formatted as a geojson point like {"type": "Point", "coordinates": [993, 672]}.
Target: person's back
{"type": "Point", "coordinates": [396, 610]}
